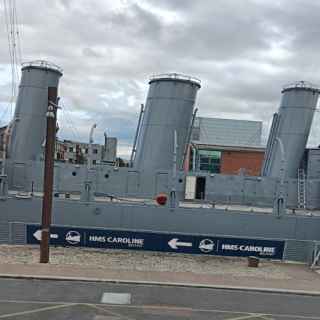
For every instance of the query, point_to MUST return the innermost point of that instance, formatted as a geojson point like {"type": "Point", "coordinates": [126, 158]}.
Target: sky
{"type": "Point", "coordinates": [244, 52]}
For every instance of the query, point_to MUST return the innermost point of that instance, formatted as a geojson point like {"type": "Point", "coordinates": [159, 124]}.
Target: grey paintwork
{"type": "Point", "coordinates": [152, 217]}
{"type": "Point", "coordinates": [259, 191]}
{"type": "Point", "coordinates": [292, 126]}
{"type": "Point", "coordinates": [168, 108]}
{"type": "Point", "coordinates": [29, 123]}
{"type": "Point", "coordinates": [105, 179]}
{"type": "Point", "coordinates": [313, 161]}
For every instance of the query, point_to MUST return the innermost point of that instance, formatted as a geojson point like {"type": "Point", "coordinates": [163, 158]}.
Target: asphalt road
{"type": "Point", "coordinates": [62, 300]}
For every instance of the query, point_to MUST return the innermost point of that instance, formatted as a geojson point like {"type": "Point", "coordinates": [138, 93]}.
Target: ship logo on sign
{"type": "Point", "coordinates": [73, 237]}
{"type": "Point", "coordinates": [206, 245]}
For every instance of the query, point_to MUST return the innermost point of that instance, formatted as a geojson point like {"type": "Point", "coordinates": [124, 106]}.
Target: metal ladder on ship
{"type": "Point", "coordinates": [301, 189]}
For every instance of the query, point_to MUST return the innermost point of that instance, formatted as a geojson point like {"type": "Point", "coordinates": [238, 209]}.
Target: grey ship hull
{"type": "Point", "coordinates": [203, 221]}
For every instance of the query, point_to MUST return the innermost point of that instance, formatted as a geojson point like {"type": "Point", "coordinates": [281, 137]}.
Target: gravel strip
{"type": "Point", "coordinates": [145, 261]}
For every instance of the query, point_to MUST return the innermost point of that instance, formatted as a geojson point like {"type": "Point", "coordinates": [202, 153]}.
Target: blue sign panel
{"type": "Point", "coordinates": [156, 241]}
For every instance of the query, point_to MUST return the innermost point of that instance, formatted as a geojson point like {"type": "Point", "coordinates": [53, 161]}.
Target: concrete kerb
{"type": "Point", "coordinates": [159, 283]}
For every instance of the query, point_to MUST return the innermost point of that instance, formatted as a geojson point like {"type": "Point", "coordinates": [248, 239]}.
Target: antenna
{"type": "Point", "coordinates": [90, 146]}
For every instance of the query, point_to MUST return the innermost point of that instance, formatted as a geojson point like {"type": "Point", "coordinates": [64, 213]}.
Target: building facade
{"type": "Point", "coordinates": [225, 146]}
{"type": "Point", "coordinates": [78, 152]}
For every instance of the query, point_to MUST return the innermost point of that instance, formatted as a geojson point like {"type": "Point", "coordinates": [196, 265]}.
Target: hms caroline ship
{"type": "Point", "coordinates": [280, 205]}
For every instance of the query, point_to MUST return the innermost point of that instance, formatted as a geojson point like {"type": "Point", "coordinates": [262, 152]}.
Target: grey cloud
{"type": "Point", "coordinates": [242, 51]}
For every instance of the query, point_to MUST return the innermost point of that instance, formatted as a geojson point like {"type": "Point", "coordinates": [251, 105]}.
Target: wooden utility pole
{"type": "Point", "coordinates": [48, 175]}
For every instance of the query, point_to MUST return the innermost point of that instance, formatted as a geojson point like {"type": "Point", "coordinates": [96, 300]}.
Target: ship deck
{"type": "Point", "coordinates": [227, 208]}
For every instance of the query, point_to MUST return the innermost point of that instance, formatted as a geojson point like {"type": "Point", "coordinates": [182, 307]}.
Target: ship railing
{"type": "Point", "coordinates": [301, 84]}
{"type": "Point", "coordinates": [177, 76]}
{"type": "Point", "coordinates": [42, 64]}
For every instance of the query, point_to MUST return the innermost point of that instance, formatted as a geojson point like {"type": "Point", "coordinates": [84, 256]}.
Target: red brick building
{"type": "Point", "coordinates": [225, 146]}
{"type": "Point", "coordinates": [225, 159]}
{"type": "Point", "coordinates": [234, 161]}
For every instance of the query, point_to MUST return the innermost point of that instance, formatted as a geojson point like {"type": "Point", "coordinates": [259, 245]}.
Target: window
{"type": "Point", "coordinates": [70, 149]}
{"type": "Point", "coordinates": [209, 160]}
{"type": "Point", "coordinates": [95, 151]}
{"type": "Point", "coordinates": [195, 136]}
{"type": "Point", "coordinates": [94, 161]}
{"type": "Point", "coordinates": [87, 150]}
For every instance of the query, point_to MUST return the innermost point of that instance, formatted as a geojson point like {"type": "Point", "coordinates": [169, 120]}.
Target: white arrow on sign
{"type": "Point", "coordinates": [174, 244]}
{"type": "Point", "coordinates": [37, 235]}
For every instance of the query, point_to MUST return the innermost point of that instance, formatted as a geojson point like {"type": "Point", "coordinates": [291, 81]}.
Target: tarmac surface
{"type": "Point", "coordinates": [60, 300]}
{"type": "Point", "coordinates": [141, 267]}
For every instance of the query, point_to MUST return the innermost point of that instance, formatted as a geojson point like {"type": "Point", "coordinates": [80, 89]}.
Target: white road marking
{"type": "Point", "coordinates": [249, 316]}
{"type": "Point", "coordinates": [22, 313]}
{"type": "Point", "coordinates": [37, 302]}
{"type": "Point", "coordinates": [118, 316]}
{"type": "Point", "coordinates": [116, 298]}
{"type": "Point", "coordinates": [64, 303]}
{"type": "Point", "coordinates": [106, 318]}
{"type": "Point", "coordinates": [133, 306]}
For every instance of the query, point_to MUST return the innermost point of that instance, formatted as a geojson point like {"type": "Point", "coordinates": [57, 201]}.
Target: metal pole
{"type": "Point", "coordinates": [194, 153]}
{"type": "Point", "coordinates": [173, 196]}
{"type": "Point", "coordinates": [188, 138]}
{"type": "Point", "coordinates": [89, 164]}
{"type": "Point", "coordinates": [283, 161]}
{"type": "Point", "coordinates": [134, 148]}
{"type": "Point", "coordinates": [4, 143]}
{"type": "Point", "coordinates": [48, 175]}
{"type": "Point", "coordinates": [174, 167]}
{"type": "Point", "coordinates": [106, 151]}
{"type": "Point", "coordinates": [281, 195]}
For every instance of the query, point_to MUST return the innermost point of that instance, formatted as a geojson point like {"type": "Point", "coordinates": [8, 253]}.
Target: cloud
{"type": "Point", "coordinates": [243, 52]}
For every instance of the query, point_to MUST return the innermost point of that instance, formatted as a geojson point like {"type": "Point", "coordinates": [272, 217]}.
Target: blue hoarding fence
{"type": "Point", "coordinates": [158, 241]}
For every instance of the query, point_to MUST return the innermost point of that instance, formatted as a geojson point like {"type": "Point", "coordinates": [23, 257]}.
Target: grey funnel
{"type": "Point", "coordinates": [29, 123]}
{"type": "Point", "coordinates": [168, 108]}
{"type": "Point", "coordinates": [291, 127]}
